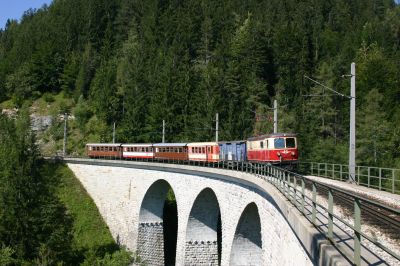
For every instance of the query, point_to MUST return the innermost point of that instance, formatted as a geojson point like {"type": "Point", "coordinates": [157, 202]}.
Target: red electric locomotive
{"type": "Point", "coordinates": [280, 148]}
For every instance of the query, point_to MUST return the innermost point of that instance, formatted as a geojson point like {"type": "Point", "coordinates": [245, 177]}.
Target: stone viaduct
{"type": "Point", "coordinates": [221, 217]}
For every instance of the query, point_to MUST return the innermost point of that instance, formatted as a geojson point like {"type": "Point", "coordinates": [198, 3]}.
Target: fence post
{"type": "Point", "coordinates": [295, 190]}
{"type": "Point", "coordinates": [330, 214]}
{"type": "Point", "coordinates": [326, 170]}
{"type": "Point", "coordinates": [380, 178]}
{"type": "Point", "coordinates": [341, 172]}
{"type": "Point", "coordinates": [312, 168]}
{"type": "Point", "coordinates": [303, 199]}
{"type": "Point", "coordinates": [357, 230]}
{"type": "Point", "coordinates": [393, 181]}
{"type": "Point", "coordinates": [369, 176]}
{"type": "Point", "coordinates": [314, 201]}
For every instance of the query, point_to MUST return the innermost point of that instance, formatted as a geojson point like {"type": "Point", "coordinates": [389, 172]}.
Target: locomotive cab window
{"type": "Point", "coordinates": [279, 143]}
{"type": "Point", "coordinates": [261, 144]}
{"type": "Point", "coordinates": [290, 143]}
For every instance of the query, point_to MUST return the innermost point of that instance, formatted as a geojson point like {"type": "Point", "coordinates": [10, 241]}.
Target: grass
{"type": "Point", "coordinates": [90, 233]}
{"type": "Point", "coordinates": [90, 230]}
{"type": "Point", "coordinates": [7, 104]}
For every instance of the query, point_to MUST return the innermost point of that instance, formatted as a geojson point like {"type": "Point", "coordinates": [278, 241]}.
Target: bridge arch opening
{"type": "Point", "coordinates": [158, 225]}
{"type": "Point", "coordinates": [247, 245]}
{"type": "Point", "coordinates": [203, 234]}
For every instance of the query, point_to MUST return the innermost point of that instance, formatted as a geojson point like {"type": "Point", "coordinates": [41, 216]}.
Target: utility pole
{"type": "Point", "coordinates": [352, 143]}
{"type": "Point", "coordinates": [275, 116]}
{"type": "Point", "coordinates": [352, 138]}
{"type": "Point", "coordinates": [163, 131]}
{"type": "Point", "coordinates": [65, 135]}
{"type": "Point", "coordinates": [216, 127]}
{"type": "Point", "coordinates": [114, 133]}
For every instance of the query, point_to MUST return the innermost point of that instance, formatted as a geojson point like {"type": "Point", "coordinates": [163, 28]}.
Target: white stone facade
{"type": "Point", "coordinates": [118, 193]}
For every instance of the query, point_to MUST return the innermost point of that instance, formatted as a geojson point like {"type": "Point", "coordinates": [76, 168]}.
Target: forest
{"type": "Point", "coordinates": [135, 63]}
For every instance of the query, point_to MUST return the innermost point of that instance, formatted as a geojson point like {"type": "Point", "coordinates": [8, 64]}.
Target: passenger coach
{"type": "Point", "coordinates": [203, 151]}
{"type": "Point", "coordinates": [97, 150]}
{"type": "Point", "coordinates": [170, 151]}
{"type": "Point", "coordinates": [140, 151]}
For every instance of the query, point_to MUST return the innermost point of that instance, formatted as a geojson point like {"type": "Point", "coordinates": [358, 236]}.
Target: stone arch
{"type": "Point", "coordinates": [154, 241]}
{"type": "Point", "coordinates": [247, 245]}
{"type": "Point", "coordinates": [203, 234]}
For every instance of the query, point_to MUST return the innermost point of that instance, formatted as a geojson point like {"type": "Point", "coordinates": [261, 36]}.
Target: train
{"type": "Point", "coordinates": [278, 148]}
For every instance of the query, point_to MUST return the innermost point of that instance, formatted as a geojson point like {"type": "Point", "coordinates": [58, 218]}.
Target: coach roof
{"type": "Point", "coordinates": [169, 144]}
{"type": "Point", "coordinates": [104, 144]}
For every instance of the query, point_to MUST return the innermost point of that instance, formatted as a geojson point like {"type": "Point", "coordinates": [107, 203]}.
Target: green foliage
{"type": "Point", "coordinates": [118, 258]}
{"type": "Point", "coordinates": [6, 254]}
{"type": "Point", "coordinates": [32, 220]}
{"type": "Point", "coordinates": [138, 63]}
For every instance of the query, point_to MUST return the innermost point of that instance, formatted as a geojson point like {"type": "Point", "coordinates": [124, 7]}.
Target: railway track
{"type": "Point", "coordinates": [379, 217]}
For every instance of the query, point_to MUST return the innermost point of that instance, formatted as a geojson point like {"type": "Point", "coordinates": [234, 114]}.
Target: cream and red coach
{"type": "Point", "coordinates": [203, 151]}
{"type": "Point", "coordinates": [139, 151]}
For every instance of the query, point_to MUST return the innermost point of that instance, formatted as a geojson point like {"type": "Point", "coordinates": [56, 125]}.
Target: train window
{"type": "Point", "coordinates": [261, 145]}
{"type": "Point", "coordinates": [266, 144]}
{"type": "Point", "coordinates": [290, 143]}
{"type": "Point", "coordinates": [279, 143]}
{"type": "Point", "coordinates": [180, 150]}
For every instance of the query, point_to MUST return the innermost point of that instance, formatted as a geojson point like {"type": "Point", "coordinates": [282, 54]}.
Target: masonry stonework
{"type": "Point", "coordinates": [201, 253]}
{"type": "Point", "coordinates": [151, 243]}
{"type": "Point", "coordinates": [120, 192]}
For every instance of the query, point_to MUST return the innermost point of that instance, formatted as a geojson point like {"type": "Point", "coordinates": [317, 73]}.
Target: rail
{"type": "Point", "coordinates": [385, 179]}
{"type": "Point", "coordinates": [293, 187]}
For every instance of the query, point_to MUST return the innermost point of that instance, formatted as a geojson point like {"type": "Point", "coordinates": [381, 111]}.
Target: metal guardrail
{"type": "Point", "coordinates": [293, 187]}
{"type": "Point", "coordinates": [385, 179]}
